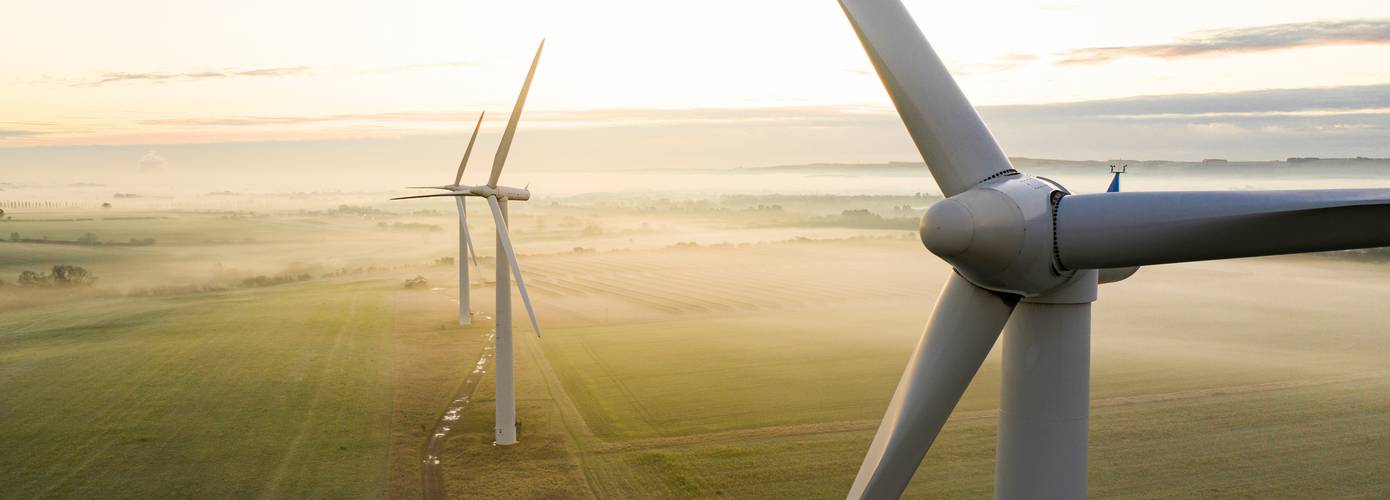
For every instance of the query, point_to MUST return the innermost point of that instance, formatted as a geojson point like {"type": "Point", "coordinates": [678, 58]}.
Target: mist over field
{"type": "Point", "coordinates": [708, 332]}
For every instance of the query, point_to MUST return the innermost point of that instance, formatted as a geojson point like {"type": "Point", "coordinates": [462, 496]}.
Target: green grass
{"type": "Point", "coordinates": [696, 376]}
{"type": "Point", "coordinates": [1197, 391]}
{"type": "Point", "coordinates": [692, 372]}
{"type": "Point", "coordinates": [274, 393]}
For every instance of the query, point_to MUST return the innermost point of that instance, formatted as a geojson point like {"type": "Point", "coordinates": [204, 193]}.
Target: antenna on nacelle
{"type": "Point", "coordinates": [1115, 181]}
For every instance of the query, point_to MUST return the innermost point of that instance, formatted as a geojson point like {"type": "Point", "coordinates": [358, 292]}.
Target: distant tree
{"type": "Point", "coordinates": [14, 236]}
{"type": "Point", "coordinates": [33, 279]}
{"type": "Point", "coordinates": [69, 275]}
{"type": "Point", "coordinates": [88, 239]}
{"type": "Point", "coordinates": [105, 205]}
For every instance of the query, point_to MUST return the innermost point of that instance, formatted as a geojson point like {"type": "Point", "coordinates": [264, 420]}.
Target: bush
{"type": "Point", "coordinates": [279, 279]}
{"type": "Point", "coordinates": [66, 275]}
{"type": "Point", "coordinates": [61, 275]}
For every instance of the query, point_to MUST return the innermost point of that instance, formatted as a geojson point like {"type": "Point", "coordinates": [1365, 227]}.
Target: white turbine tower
{"type": "Point", "coordinates": [497, 198]}
{"type": "Point", "coordinates": [465, 241]}
{"type": "Point", "coordinates": [1027, 257]}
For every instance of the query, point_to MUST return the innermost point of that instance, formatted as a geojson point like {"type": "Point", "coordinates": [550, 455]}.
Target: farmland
{"type": "Point", "coordinates": [691, 349]}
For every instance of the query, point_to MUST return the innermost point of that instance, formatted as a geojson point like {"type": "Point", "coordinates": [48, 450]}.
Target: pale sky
{"type": "Point", "coordinates": [152, 73]}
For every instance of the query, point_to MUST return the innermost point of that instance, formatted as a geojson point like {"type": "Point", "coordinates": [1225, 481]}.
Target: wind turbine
{"type": "Point", "coordinates": [497, 198]}
{"type": "Point", "coordinates": [1027, 258]}
{"type": "Point", "coordinates": [465, 241]}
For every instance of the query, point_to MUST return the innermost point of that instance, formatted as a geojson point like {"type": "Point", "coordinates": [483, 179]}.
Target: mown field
{"type": "Point", "coordinates": [763, 371]}
{"type": "Point", "coordinates": [316, 388]}
{"type": "Point", "coordinates": [687, 353]}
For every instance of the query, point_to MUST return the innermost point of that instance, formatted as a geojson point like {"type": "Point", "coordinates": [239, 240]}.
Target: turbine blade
{"type": "Point", "coordinates": [506, 239]}
{"type": "Point", "coordinates": [446, 188]}
{"type": "Point", "coordinates": [963, 327]}
{"type": "Point", "coordinates": [506, 144]}
{"type": "Point", "coordinates": [1111, 230]}
{"type": "Point", "coordinates": [432, 195]}
{"type": "Point", "coordinates": [958, 148]}
{"type": "Point", "coordinates": [458, 177]}
{"type": "Point", "coordinates": [463, 227]}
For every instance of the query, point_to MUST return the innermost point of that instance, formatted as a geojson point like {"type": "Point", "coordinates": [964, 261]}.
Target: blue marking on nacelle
{"type": "Point", "coordinates": [1114, 184]}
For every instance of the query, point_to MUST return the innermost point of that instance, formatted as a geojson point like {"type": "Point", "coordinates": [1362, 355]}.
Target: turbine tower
{"type": "Point", "coordinates": [1027, 257]}
{"type": "Point", "coordinates": [497, 198]}
{"type": "Point", "coordinates": [465, 241]}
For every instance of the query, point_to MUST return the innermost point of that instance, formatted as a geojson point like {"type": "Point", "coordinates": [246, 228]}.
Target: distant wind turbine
{"type": "Point", "coordinates": [497, 198]}
{"type": "Point", "coordinates": [465, 241]}
{"type": "Point", "coordinates": [1028, 256]}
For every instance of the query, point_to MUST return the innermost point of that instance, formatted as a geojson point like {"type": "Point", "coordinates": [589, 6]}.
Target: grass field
{"type": "Point", "coordinates": [315, 389]}
{"type": "Point", "coordinates": [701, 354]}
{"type": "Point", "coordinates": [1196, 391]}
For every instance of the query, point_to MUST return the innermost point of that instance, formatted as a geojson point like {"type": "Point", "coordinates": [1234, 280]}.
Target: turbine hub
{"type": "Point", "coordinates": [998, 234]}
{"type": "Point", "coordinates": [947, 228]}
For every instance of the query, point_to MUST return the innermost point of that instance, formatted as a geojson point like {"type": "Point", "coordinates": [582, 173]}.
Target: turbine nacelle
{"type": "Point", "coordinates": [500, 192]}
{"type": "Point", "coordinates": [998, 235]}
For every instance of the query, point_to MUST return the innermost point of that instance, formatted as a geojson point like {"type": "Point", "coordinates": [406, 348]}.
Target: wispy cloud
{"type": "Point", "coordinates": [18, 133]}
{"type": "Point", "coordinates": [1333, 121]}
{"type": "Point", "coordinates": [112, 77]}
{"type": "Point", "coordinates": [1241, 40]}
{"type": "Point", "coordinates": [791, 115]}
{"type": "Point", "coordinates": [162, 77]}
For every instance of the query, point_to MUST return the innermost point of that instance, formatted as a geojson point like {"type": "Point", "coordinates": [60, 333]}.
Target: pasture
{"type": "Point", "coordinates": [689, 351]}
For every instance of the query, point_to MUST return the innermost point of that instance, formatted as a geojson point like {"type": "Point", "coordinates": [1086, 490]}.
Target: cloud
{"type": "Point", "coordinates": [1277, 123]}
{"type": "Point", "coordinates": [156, 77]}
{"type": "Point", "coordinates": [1329, 100]}
{"type": "Point", "coordinates": [1242, 40]}
{"type": "Point", "coordinates": [792, 115]}
{"type": "Point", "coordinates": [1307, 104]}
{"type": "Point", "coordinates": [111, 77]}
{"type": "Point", "coordinates": [18, 133]}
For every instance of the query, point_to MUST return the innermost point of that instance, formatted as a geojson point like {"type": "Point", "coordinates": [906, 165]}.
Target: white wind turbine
{"type": "Point", "coordinates": [465, 241]}
{"type": "Point", "coordinates": [1027, 258]}
{"type": "Point", "coordinates": [497, 198]}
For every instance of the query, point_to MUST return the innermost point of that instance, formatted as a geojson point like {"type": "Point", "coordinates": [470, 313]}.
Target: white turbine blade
{"type": "Point", "coordinates": [446, 188]}
{"type": "Point", "coordinates": [458, 177]}
{"type": "Point", "coordinates": [440, 195]}
{"type": "Point", "coordinates": [506, 144]}
{"type": "Point", "coordinates": [463, 227]}
{"type": "Point", "coordinates": [958, 148]}
{"type": "Point", "coordinates": [506, 239]}
{"type": "Point", "coordinates": [963, 327]}
{"type": "Point", "coordinates": [1111, 230]}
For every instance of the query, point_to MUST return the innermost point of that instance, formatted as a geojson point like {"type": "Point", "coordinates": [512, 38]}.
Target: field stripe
{"type": "Point", "coordinates": [277, 479]}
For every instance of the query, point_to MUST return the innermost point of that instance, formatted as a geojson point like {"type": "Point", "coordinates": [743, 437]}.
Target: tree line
{"type": "Point", "coordinates": [61, 275]}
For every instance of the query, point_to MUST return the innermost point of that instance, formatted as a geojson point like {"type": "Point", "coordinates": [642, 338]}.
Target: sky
{"type": "Point", "coordinates": [248, 85]}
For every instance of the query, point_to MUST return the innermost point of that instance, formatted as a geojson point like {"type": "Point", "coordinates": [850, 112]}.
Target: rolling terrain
{"type": "Point", "coordinates": [692, 349]}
